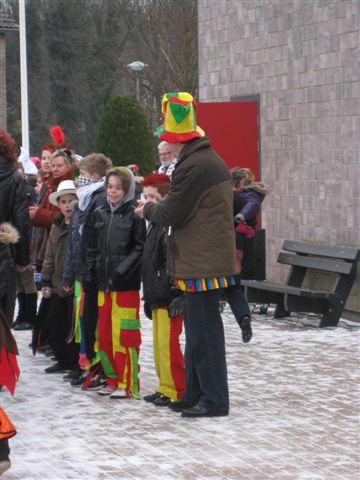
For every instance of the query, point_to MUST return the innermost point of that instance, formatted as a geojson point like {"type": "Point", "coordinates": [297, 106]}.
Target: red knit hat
{"type": "Point", "coordinates": [155, 180]}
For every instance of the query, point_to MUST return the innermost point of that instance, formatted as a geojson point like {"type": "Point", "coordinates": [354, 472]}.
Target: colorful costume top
{"type": "Point", "coordinates": [204, 284]}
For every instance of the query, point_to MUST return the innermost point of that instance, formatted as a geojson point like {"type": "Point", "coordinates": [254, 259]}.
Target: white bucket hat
{"type": "Point", "coordinates": [65, 187]}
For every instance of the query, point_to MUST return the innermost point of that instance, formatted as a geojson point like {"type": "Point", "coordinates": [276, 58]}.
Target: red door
{"type": "Point", "coordinates": [233, 130]}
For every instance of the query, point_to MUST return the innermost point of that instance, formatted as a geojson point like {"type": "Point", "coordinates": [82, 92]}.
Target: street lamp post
{"type": "Point", "coordinates": [137, 67]}
{"type": "Point", "coordinates": [137, 86]}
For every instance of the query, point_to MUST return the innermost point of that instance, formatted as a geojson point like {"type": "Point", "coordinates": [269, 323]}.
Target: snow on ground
{"type": "Point", "coordinates": [294, 416]}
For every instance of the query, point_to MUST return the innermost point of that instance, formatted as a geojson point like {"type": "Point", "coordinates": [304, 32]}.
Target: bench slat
{"type": "Point", "coordinates": [283, 289]}
{"type": "Point", "coordinates": [345, 253]}
{"type": "Point", "coordinates": [264, 285]}
{"type": "Point", "coordinates": [314, 263]}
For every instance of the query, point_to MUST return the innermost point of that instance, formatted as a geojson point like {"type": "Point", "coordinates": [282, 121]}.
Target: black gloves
{"type": "Point", "coordinates": [176, 307]}
{"type": "Point", "coordinates": [147, 311]}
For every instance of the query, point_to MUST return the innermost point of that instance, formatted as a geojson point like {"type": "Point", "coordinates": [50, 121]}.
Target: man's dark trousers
{"type": "Point", "coordinates": [205, 360]}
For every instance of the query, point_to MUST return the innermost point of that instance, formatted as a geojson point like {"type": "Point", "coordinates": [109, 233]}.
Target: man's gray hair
{"type": "Point", "coordinates": [162, 144]}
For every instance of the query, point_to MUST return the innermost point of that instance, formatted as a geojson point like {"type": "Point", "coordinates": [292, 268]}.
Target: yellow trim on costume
{"type": "Point", "coordinates": [101, 299]}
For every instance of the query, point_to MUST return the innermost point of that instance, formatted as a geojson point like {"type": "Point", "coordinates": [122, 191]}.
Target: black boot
{"type": "Point", "coordinates": [31, 308]}
{"type": "Point", "coordinates": [246, 329]}
{"type": "Point", "coordinates": [29, 316]}
{"type": "Point", "coordinates": [21, 311]}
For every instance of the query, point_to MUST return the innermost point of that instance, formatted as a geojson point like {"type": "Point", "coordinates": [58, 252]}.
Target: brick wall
{"type": "Point", "coordinates": [302, 57]}
{"type": "Point", "coordinates": [2, 82]}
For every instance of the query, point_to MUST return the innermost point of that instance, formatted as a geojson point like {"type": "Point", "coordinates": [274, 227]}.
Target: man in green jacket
{"type": "Point", "coordinates": [198, 214]}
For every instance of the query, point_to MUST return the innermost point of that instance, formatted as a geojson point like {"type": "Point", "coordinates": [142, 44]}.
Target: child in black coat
{"type": "Point", "coordinates": [116, 241]}
{"type": "Point", "coordinates": [90, 194]}
{"type": "Point", "coordinates": [158, 295]}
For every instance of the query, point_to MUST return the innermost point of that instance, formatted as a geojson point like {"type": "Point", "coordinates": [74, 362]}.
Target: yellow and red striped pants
{"type": "Point", "coordinates": [119, 339]}
{"type": "Point", "coordinates": [169, 359]}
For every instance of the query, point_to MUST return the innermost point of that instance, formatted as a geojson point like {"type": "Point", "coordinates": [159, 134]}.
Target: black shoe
{"type": "Point", "coordinates": [15, 325]}
{"type": "Point", "coordinates": [22, 326]}
{"type": "Point", "coordinates": [151, 398]}
{"type": "Point", "coordinates": [179, 405]}
{"type": "Point", "coordinates": [57, 368]}
{"type": "Point", "coordinates": [44, 349]}
{"type": "Point", "coordinates": [198, 411]}
{"type": "Point", "coordinates": [77, 382]}
{"type": "Point", "coordinates": [246, 328]}
{"type": "Point", "coordinates": [162, 401]}
{"type": "Point", "coordinates": [73, 375]}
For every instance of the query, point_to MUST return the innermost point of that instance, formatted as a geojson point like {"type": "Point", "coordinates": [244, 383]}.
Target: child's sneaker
{"type": "Point", "coordinates": [153, 396]}
{"type": "Point", "coordinates": [118, 394]}
{"type": "Point", "coordinates": [76, 373]}
{"type": "Point", "coordinates": [108, 390]}
{"type": "Point", "coordinates": [94, 383]}
{"type": "Point", "coordinates": [78, 382]}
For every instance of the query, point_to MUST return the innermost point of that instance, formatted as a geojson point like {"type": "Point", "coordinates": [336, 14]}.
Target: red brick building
{"type": "Point", "coordinates": [300, 60]}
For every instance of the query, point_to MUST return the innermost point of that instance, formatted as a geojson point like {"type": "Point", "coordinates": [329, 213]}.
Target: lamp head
{"type": "Point", "coordinates": [137, 66]}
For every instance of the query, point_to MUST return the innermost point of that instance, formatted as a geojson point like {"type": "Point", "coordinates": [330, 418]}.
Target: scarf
{"type": "Point", "coordinates": [85, 194]}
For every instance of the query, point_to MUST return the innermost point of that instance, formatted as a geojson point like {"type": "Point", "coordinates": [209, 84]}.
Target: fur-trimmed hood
{"type": "Point", "coordinates": [259, 187]}
{"type": "Point", "coordinates": [8, 233]}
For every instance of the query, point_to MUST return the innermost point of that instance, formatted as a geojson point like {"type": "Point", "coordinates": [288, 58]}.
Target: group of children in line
{"type": "Point", "coordinates": [97, 254]}
{"type": "Point", "coordinates": [92, 253]}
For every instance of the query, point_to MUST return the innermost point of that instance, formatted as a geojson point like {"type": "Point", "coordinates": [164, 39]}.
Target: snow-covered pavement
{"type": "Point", "coordinates": [294, 416]}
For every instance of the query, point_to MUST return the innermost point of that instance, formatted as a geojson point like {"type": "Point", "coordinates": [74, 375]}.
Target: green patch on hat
{"type": "Point", "coordinates": [172, 94]}
{"type": "Point", "coordinates": [179, 111]}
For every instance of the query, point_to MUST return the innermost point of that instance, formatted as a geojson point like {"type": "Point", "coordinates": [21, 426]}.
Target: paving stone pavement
{"type": "Point", "coordinates": [294, 416]}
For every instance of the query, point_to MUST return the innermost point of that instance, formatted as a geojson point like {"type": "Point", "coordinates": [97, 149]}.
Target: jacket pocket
{"type": "Point", "coordinates": [99, 225]}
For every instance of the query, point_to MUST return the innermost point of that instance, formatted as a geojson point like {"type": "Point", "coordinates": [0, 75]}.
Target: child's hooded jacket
{"type": "Point", "coordinates": [115, 247]}
{"type": "Point", "coordinates": [75, 258]}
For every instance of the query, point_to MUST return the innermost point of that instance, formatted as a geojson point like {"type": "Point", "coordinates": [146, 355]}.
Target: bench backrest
{"type": "Point", "coordinates": [315, 263]}
{"type": "Point", "coordinates": [322, 258]}
{"type": "Point", "coordinates": [344, 253]}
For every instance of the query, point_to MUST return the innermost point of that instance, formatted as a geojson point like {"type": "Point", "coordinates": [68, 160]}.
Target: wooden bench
{"type": "Point", "coordinates": [293, 297]}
